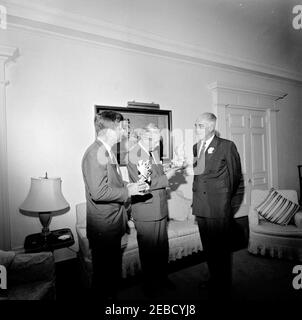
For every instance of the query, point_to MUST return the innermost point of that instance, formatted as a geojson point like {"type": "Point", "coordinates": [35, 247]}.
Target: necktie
{"type": "Point", "coordinates": [151, 157]}
{"type": "Point", "coordinates": [200, 165]}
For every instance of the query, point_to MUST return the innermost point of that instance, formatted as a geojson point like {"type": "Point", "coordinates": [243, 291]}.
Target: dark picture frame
{"type": "Point", "coordinates": [138, 118]}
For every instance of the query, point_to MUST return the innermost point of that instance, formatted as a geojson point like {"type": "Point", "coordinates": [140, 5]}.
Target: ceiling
{"type": "Point", "coordinates": [255, 30]}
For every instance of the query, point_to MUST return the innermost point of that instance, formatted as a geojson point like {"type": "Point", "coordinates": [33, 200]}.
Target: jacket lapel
{"type": "Point", "coordinates": [109, 162]}
{"type": "Point", "coordinates": [135, 153]}
{"type": "Point", "coordinates": [198, 145]}
{"type": "Point", "coordinates": [212, 147]}
{"type": "Point", "coordinates": [156, 156]}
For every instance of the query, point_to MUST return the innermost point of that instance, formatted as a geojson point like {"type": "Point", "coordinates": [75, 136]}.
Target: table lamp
{"type": "Point", "coordinates": [45, 198]}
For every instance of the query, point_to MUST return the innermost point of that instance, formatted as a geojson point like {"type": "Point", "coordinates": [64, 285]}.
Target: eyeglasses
{"type": "Point", "coordinates": [200, 125]}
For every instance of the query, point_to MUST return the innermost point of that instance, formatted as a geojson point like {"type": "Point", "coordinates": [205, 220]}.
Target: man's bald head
{"type": "Point", "coordinates": [207, 116]}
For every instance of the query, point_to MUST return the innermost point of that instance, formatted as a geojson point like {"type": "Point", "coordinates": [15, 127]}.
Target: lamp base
{"type": "Point", "coordinates": [45, 218]}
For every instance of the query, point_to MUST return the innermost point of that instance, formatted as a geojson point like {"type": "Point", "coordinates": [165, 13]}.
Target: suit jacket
{"type": "Point", "coordinates": [213, 190]}
{"type": "Point", "coordinates": [152, 206]}
{"type": "Point", "coordinates": [105, 193]}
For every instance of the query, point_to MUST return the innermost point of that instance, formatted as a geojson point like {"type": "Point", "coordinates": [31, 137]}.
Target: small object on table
{"type": "Point", "coordinates": [57, 239]}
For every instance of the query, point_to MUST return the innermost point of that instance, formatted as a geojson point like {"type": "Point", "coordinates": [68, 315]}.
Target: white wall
{"type": "Point", "coordinates": [55, 84]}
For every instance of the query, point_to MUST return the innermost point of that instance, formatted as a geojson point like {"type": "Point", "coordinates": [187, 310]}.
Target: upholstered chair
{"type": "Point", "coordinates": [274, 240]}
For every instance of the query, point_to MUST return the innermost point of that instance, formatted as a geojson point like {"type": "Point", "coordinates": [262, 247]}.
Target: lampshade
{"type": "Point", "coordinates": [45, 195]}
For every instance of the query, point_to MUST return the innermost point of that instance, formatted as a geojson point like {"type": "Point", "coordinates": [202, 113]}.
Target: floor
{"type": "Point", "coordinates": [255, 278]}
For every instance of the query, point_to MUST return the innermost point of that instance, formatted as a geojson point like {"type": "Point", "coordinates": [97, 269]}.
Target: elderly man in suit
{"type": "Point", "coordinates": [106, 196]}
{"type": "Point", "coordinates": [217, 173]}
{"type": "Point", "coordinates": [150, 212]}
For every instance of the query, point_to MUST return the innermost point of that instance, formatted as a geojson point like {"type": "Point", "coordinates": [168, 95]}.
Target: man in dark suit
{"type": "Point", "coordinates": [106, 196]}
{"type": "Point", "coordinates": [150, 212]}
{"type": "Point", "coordinates": [217, 173]}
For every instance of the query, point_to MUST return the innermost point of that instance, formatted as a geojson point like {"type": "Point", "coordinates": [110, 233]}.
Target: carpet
{"type": "Point", "coordinates": [255, 278]}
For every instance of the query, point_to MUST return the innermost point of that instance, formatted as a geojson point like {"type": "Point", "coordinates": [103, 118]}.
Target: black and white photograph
{"type": "Point", "coordinates": [151, 155]}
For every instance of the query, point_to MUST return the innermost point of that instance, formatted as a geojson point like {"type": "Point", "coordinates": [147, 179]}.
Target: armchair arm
{"type": "Point", "coordinates": [298, 219]}
{"type": "Point", "coordinates": [253, 217]}
{"type": "Point", "coordinates": [30, 267]}
{"type": "Point", "coordinates": [6, 258]}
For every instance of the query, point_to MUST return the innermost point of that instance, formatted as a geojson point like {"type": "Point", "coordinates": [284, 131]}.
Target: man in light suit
{"type": "Point", "coordinates": [217, 173]}
{"type": "Point", "coordinates": [150, 212]}
{"type": "Point", "coordinates": [106, 196]}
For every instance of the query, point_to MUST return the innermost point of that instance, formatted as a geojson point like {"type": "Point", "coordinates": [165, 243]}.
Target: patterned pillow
{"type": "Point", "coordinates": [276, 208]}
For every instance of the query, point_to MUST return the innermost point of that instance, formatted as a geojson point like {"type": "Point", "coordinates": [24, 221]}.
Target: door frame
{"type": "Point", "coordinates": [227, 95]}
{"type": "Point", "coordinates": [7, 54]}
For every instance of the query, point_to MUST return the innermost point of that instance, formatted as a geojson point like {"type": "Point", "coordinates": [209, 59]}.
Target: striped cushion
{"type": "Point", "coordinates": [277, 209]}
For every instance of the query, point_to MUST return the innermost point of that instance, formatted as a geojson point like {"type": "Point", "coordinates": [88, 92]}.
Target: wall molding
{"type": "Point", "coordinates": [74, 26]}
{"type": "Point", "coordinates": [219, 85]}
{"type": "Point", "coordinates": [7, 54]}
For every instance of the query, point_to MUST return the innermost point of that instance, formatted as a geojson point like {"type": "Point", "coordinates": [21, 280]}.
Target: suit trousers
{"type": "Point", "coordinates": [215, 235]}
{"type": "Point", "coordinates": [152, 238]}
{"type": "Point", "coordinates": [106, 256]}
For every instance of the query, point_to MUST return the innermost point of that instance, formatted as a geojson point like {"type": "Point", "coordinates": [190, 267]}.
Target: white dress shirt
{"type": "Point", "coordinates": [206, 145]}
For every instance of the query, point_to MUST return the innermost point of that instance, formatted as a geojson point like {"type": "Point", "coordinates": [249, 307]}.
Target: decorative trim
{"type": "Point", "coordinates": [229, 87]}
{"type": "Point", "coordinates": [241, 106]}
{"type": "Point", "coordinates": [75, 26]}
{"type": "Point", "coordinates": [6, 54]}
{"type": "Point", "coordinates": [144, 105]}
{"type": "Point", "coordinates": [4, 83]}
{"type": "Point", "coordinates": [225, 95]}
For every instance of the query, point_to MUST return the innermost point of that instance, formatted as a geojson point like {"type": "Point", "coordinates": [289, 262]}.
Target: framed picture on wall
{"type": "Point", "coordinates": [137, 119]}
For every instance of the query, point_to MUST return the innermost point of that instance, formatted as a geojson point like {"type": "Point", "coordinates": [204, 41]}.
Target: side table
{"type": "Point", "coordinates": [57, 239]}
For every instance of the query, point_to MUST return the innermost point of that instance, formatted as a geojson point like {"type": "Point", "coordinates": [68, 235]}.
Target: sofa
{"type": "Point", "coordinates": [30, 276]}
{"type": "Point", "coordinates": [183, 235]}
{"type": "Point", "coordinates": [274, 240]}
